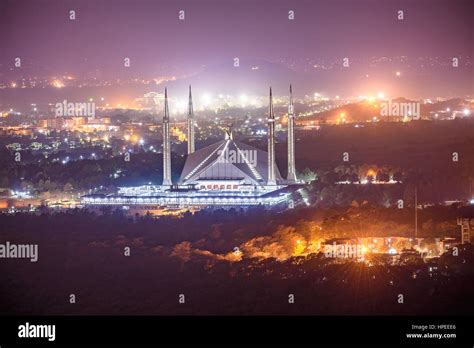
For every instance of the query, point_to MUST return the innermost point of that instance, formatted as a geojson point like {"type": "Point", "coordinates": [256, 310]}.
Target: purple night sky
{"type": "Point", "coordinates": [216, 31]}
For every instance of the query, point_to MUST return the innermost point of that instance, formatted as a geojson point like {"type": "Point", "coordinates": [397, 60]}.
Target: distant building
{"type": "Point", "coordinates": [467, 225]}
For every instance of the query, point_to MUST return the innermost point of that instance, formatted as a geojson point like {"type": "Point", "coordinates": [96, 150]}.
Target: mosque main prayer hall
{"type": "Point", "coordinates": [227, 173]}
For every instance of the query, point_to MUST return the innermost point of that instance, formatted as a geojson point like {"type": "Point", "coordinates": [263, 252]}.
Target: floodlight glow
{"type": "Point", "coordinates": [206, 99]}
{"type": "Point", "coordinates": [181, 104]}
{"type": "Point", "coordinates": [58, 84]}
{"type": "Point", "coordinates": [243, 99]}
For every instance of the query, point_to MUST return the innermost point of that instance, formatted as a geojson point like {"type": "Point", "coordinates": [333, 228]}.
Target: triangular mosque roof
{"type": "Point", "coordinates": [211, 163]}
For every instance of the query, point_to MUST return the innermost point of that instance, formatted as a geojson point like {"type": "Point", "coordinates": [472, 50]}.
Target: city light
{"type": "Point", "coordinates": [181, 105]}
{"type": "Point", "coordinates": [58, 84]}
{"type": "Point", "coordinates": [206, 99]}
{"type": "Point", "coordinates": [243, 99]}
{"type": "Point", "coordinates": [371, 173]}
{"type": "Point", "coordinates": [370, 99]}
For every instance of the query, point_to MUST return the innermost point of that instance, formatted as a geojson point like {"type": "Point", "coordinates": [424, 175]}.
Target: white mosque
{"type": "Point", "coordinates": [226, 173]}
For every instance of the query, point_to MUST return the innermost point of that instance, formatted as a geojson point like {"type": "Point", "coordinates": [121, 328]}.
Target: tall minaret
{"type": "Point", "coordinates": [166, 145]}
{"type": "Point", "coordinates": [190, 123]}
{"type": "Point", "coordinates": [271, 143]}
{"type": "Point", "coordinates": [291, 140]}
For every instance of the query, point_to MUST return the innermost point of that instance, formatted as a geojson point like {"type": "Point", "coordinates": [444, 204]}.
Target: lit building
{"type": "Point", "coordinates": [190, 124]}
{"type": "Point", "coordinates": [166, 145]}
{"type": "Point", "coordinates": [226, 173]}
{"type": "Point", "coordinates": [291, 140]}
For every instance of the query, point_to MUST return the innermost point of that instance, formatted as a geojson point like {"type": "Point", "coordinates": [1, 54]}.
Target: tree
{"type": "Point", "coordinates": [68, 187]}
{"type": "Point", "coordinates": [307, 175]}
{"type": "Point", "coordinates": [182, 251]}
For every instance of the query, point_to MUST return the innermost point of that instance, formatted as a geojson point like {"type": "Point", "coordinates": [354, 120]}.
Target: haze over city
{"type": "Point", "coordinates": [250, 157]}
{"type": "Point", "coordinates": [405, 58]}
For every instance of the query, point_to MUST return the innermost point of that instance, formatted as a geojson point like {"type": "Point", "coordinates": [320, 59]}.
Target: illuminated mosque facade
{"type": "Point", "coordinates": [226, 173]}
